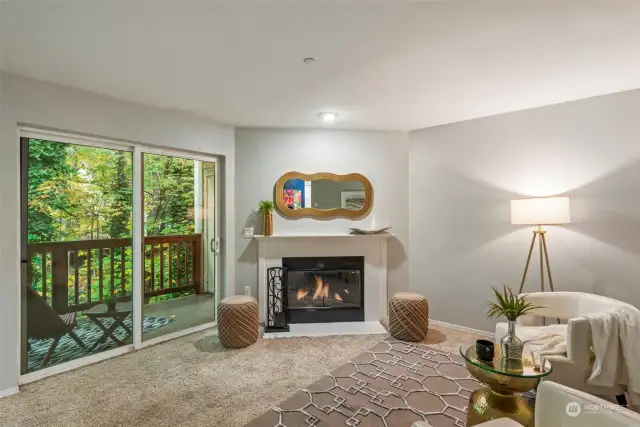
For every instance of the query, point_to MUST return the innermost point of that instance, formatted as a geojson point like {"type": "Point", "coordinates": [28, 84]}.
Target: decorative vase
{"type": "Point", "coordinates": [111, 305]}
{"type": "Point", "coordinates": [267, 227]}
{"type": "Point", "coordinates": [510, 344]}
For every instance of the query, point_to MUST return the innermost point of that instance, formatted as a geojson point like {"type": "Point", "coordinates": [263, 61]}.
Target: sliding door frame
{"type": "Point", "coordinates": [137, 150]}
{"type": "Point", "coordinates": [138, 255]}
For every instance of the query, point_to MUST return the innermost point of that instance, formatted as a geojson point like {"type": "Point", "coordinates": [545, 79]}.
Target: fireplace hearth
{"type": "Point", "coordinates": [324, 289]}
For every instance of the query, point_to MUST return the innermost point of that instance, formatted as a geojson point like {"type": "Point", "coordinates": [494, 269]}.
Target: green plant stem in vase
{"type": "Point", "coordinates": [511, 306]}
{"type": "Point", "coordinates": [265, 207]}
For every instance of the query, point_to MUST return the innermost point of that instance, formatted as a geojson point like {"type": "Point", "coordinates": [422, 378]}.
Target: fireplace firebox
{"type": "Point", "coordinates": [324, 289]}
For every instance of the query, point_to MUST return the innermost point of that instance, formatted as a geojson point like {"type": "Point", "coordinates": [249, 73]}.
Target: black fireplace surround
{"type": "Point", "coordinates": [315, 290]}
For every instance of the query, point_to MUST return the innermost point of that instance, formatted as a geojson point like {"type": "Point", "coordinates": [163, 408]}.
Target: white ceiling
{"type": "Point", "coordinates": [380, 64]}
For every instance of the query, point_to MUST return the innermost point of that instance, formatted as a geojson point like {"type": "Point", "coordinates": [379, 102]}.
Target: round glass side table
{"type": "Point", "coordinates": [506, 379]}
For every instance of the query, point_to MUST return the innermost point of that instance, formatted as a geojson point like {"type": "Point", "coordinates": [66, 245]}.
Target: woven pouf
{"type": "Point", "coordinates": [408, 317]}
{"type": "Point", "coordinates": [238, 324]}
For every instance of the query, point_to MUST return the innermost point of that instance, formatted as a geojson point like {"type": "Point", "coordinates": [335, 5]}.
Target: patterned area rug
{"type": "Point", "coordinates": [392, 384]}
{"type": "Point", "coordinates": [89, 333]}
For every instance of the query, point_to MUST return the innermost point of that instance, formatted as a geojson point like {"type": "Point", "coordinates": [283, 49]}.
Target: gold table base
{"type": "Point", "coordinates": [486, 404]}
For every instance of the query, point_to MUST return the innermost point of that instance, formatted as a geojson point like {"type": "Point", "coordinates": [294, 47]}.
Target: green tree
{"type": "Point", "coordinates": [169, 195]}
{"type": "Point", "coordinates": [121, 204]}
{"type": "Point", "coordinates": [48, 184]}
{"type": "Point", "coordinates": [85, 193]}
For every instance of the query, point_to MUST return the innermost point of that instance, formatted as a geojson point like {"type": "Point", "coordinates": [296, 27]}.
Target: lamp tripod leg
{"type": "Point", "coordinates": [546, 257]}
{"type": "Point", "coordinates": [526, 266]}
{"type": "Point", "coordinates": [540, 240]}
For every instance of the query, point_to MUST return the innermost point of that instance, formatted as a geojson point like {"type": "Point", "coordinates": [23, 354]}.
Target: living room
{"type": "Point", "coordinates": [442, 114]}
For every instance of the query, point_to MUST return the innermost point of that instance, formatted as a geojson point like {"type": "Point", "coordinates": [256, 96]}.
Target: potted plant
{"type": "Point", "coordinates": [112, 300]}
{"type": "Point", "coordinates": [265, 207]}
{"type": "Point", "coordinates": [511, 306]}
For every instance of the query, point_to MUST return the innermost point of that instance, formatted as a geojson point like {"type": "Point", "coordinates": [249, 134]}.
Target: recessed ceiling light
{"type": "Point", "coordinates": [309, 61]}
{"type": "Point", "coordinates": [329, 117]}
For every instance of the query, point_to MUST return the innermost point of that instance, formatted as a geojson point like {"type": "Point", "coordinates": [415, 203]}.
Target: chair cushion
{"type": "Point", "coordinates": [554, 401]}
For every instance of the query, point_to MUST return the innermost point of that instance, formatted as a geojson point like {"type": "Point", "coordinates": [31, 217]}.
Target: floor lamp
{"type": "Point", "coordinates": [540, 211]}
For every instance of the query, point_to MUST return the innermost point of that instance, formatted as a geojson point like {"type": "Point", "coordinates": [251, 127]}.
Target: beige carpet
{"type": "Point", "coordinates": [191, 381]}
{"type": "Point", "coordinates": [391, 384]}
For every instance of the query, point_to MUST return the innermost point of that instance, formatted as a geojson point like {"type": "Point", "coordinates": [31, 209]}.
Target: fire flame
{"type": "Point", "coordinates": [321, 291]}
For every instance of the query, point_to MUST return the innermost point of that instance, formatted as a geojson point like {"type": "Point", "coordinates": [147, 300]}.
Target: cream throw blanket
{"type": "Point", "coordinates": [616, 344]}
{"type": "Point", "coordinates": [540, 341]}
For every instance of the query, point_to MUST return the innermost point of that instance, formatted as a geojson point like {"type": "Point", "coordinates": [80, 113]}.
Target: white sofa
{"type": "Point", "coordinates": [552, 401]}
{"type": "Point", "coordinates": [574, 369]}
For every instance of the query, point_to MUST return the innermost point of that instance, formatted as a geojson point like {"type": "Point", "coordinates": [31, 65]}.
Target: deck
{"type": "Point", "coordinates": [77, 275]}
{"type": "Point", "coordinates": [95, 276]}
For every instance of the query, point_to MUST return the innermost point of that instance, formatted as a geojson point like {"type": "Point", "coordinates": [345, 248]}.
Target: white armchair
{"type": "Point", "coordinates": [574, 369]}
{"type": "Point", "coordinates": [552, 401]}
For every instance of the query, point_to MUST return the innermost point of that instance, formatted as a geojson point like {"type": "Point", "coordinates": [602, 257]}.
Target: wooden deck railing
{"type": "Point", "coordinates": [74, 276]}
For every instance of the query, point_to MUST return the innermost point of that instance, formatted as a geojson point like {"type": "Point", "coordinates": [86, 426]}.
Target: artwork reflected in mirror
{"type": "Point", "coordinates": [324, 194]}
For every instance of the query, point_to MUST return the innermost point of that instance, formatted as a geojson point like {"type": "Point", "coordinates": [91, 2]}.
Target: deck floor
{"type": "Point", "coordinates": [182, 313]}
{"type": "Point", "coordinates": [186, 312]}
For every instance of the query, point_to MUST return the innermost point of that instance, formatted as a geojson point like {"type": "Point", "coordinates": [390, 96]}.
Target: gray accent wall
{"type": "Point", "coordinates": [264, 155]}
{"type": "Point", "coordinates": [463, 175]}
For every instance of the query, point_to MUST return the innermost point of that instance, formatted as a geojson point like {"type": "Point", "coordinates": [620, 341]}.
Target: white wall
{"type": "Point", "coordinates": [25, 101]}
{"type": "Point", "coordinates": [463, 175]}
{"type": "Point", "coordinates": [263, 155]}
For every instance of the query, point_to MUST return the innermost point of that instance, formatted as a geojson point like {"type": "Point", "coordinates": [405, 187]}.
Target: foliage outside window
{"type": "Point", "coordinates": [85, 193]}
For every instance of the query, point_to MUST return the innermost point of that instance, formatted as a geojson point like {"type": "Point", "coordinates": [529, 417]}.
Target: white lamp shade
{"type": "Point", "coordinates": [541, 211]}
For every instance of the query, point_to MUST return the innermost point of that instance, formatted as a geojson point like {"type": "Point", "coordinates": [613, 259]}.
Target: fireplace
{"type": "Point", "coordinates": [281, 255]}
{"type": "Point", "coordinates": [324, 289]}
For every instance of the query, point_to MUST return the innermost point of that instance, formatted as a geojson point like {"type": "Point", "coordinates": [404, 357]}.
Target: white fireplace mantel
{"type": "Point", "coordinates": [381, 236]}
{"type": "Point", "coordinates": [271, 250]}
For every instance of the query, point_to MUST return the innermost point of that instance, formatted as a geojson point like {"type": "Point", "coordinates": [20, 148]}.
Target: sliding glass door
{"type": "Point", "coordinates": [180, 243]}
{"type": "Point", "coordinates": [76, 251]}
{"type": "Point", "coordinates": [85, 205]}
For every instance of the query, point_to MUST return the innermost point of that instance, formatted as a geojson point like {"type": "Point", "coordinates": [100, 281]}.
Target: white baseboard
{"type": "Point", "coordinates": [329, 329]}
{"type": "Point", "coordinates": [462, 328]}
{"type": "Point", "coordinates": [9, 391]}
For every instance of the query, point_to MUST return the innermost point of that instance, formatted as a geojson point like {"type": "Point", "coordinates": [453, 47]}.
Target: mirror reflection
{"type": "Point", "coordinates": [323, 194]}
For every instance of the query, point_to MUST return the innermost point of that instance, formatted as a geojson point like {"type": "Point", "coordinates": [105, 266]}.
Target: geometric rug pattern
{"type": "Point", "coordinates": [89, 333]}
{"type": "Point", "coordinates": [392, 384]}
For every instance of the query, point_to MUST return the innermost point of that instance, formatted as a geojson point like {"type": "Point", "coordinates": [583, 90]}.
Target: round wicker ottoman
{"type": "Point", "coordinates": [408, 316]}
{"type": "Point", "coordinates": [238, 324]}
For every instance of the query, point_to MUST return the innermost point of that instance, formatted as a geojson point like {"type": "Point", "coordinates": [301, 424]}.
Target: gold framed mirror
{"type": "Point", "coordinates": [324, 195]}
